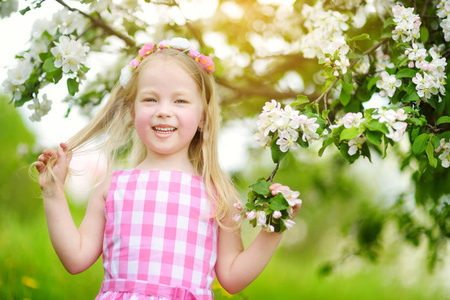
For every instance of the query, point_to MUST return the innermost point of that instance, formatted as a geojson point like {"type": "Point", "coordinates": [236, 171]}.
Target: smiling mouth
{"type": "Point", "coordinates": [164, 129]}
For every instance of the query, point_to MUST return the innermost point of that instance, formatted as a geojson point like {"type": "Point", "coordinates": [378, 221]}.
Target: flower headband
{"type": "Point", "coordinates": [177, 43]}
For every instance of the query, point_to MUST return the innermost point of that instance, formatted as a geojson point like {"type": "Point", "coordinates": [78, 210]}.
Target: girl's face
{"type": "Point", "coordinates": [168, 109]}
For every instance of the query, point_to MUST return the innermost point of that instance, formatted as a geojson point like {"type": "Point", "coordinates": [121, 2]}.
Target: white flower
{"type": "Point", "coordinates": [69, 54]}
{"type": "Point", "coordinates": [125, 75]}
{"type": "Point", "coordinates": [261, 218]}
{"type": "Point", "coordinates": [39, 109]}
{"type": "Point", "coordinates": [309, 128]}
{"type": "Point", "coordinates": [21, 72]}
{"type": "Point", "coordinates": [179, 43]}
{"type": "Point", "coordinates": [352, 119]}
{"type": "Point", "coordinates": [355, 144]}
{"type": "Point", "coordinates": [388, 83]}
{"type": "Point", "coordinates": [396, 131]}
{"type": "Point", "coordinates": [445, 158]}
{"type": "Point", "coordinates": [385, 115]}
{"type": "Point", "coordinates": [287, 140]}
{"type": "Point", "coordinates": [289, 224]}
{"type": "Point", "coordinates": [276, 214]}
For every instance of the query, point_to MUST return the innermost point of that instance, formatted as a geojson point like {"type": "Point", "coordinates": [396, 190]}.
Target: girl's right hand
{"type": "Point", "coordinates": [58, 161]}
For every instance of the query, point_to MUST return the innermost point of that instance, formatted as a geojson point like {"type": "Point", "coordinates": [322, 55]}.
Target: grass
{"type": "Point", "coordinates": [31, 270]}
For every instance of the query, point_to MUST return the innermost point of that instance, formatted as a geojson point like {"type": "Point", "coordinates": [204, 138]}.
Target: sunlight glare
{"type": "Point", "coordinates": [198, 9]}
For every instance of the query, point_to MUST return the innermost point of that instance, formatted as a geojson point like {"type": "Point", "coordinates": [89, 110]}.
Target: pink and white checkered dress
{"type": "Point", "coordinates": [159, 241]}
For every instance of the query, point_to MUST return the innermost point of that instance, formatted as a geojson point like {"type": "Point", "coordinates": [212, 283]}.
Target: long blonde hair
{"type": "Point", "coordinates": [114, 124]}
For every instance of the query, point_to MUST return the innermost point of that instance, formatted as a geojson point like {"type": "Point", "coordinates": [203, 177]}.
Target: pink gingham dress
{"type": "Point", "coordinates": [159, 241]}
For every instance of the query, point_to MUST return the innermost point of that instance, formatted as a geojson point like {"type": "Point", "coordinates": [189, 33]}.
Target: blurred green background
{"type": "Point", "coordinates": [337, 250]}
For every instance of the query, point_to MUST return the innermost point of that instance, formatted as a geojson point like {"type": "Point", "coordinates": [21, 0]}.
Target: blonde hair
{"type": "Point", "coordinates": [114, 124]}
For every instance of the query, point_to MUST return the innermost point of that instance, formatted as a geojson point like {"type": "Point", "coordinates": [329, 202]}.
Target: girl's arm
{"type": "Point", "coordinates": [79, 248]}
{"type": "Point", "coordinates": [236, 268]}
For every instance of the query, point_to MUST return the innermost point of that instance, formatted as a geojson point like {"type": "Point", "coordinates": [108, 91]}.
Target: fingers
{"type": "Point", "coordinates": [60, 154]}
{"type": "Point", "coordinates": [276, 188]}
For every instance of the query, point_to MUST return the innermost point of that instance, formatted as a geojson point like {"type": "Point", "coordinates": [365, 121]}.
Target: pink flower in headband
{"type": "Point", "coordinates": [206, 62]}
{"type": "Point", "coordinates": [163, 44]}
{"type": "Point", "coordinates": [146, 50]}
{"type": "Point", "coordinates": [177, 43]}
{"type": "Point", "coordinates": [194, 53]}
{"type": "Point", "coordinates": [134, 63]}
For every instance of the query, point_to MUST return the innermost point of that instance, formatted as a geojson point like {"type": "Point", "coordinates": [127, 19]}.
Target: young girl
{"type": "Point", "coordinates": [165, 227]}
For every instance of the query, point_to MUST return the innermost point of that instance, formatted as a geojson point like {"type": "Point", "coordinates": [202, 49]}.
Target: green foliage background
{"type": "Point", "coordinates": [323, 257]}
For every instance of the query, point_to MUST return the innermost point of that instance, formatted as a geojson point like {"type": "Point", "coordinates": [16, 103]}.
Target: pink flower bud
{"type": "Point", "coordinates": [134, 63]}
{"type": "Point", "coordinates": [251, 215]}
{"type": "Point", "coordinates": [411, 64]}
{"type": "Point", "coordinates": [276, 214]}
{"type": "Point", "coordinates": [289, 224]}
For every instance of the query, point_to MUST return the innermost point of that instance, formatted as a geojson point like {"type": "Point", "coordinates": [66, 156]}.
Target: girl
{"type": "Point", "coordinates": [165, 227]}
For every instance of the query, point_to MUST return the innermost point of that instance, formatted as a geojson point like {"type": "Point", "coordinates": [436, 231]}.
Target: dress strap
{"type": "Point", "coordinates": [150, 289]}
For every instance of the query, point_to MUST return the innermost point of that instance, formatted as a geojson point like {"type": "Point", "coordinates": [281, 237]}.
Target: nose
{"type": "Point", "coordinates": [164, 110]}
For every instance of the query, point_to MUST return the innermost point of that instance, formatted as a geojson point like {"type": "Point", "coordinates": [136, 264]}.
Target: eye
{"type": "Point", "coordinates": [149, 100]}
{"type": "Point", "coordinates": [181, 101]}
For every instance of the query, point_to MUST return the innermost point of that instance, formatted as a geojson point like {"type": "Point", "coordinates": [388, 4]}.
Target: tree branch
{"type": "Point", "coordinates": [98, 22]}
{"type": "Point", "coordinates": [260, 90]}
{"type": "Point", "coordinates": [354, 62]}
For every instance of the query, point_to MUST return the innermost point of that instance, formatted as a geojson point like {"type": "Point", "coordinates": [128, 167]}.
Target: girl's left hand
{"type": "Point", "coordinates": [279, 188]}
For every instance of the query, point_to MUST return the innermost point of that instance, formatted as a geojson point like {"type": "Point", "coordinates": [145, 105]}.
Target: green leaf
{"type": "Point", "coordinates": [261, 187]}
{"type": "Point", "coordinates": [360, 37]}
{"type": "Point", "coordinates": [302, 143]}
{"type": "Point", "coordinates": [420, 143]}
{"type": "Point", "coordinates": [278, 202]}
{"type": "Point", "coordinates": [277, 154]}
{"type": "Point", "coordinates": [301, 99]}
{"type": "Point", "coordinates": [344, 152]}
{"type": "Point", "coordinates": [325, 113]}
{"type": "Point", "coordinates": [443, 119]}
{"type": "Point", "coordinates": [72, 86]}
{"type": "Point", "coordinates": [49, 65]}
{"type": "Point", "coordinates": [405, 73]}
{"type": "Point", "coordinates": [346, 93]}
{"type": "Point", "coordinates": [389, 21]}
{"type": "Point", "coordinates": [375, 137]}
{"type": "Point", "coordinates": [374, 125]}
{"type": "Point", "coordinates": [325, 144]}
{"type": "Point", "coordinates": [430, 153]}
{"type": "Point", "coordinates": [372, 82]}
{"type": "Point", "coordinates": [410, 97]}
{"type": "Point", "coordinates": [424, 34]}
{"type": "Point", "coordinates": [365, 151]}
{"type": "Point", "coordinates": [349, 133]}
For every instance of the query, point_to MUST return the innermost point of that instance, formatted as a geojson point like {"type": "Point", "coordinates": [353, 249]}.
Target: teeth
{"type": "Point", "coordinates": [165, 129]}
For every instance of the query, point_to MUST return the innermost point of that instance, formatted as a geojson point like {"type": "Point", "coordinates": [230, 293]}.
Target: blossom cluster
{"type": "Point", "coordinates": [272, 213]}
{"type": "Point", "coordinates": [443, 12]}
{"type": "Point", "coordinates": [177, 43]}
{"type": "Point", "coordinates": [430, 77]}
{"type": "Point", "coordinates": [284, 124]}
{"type": "Point", "coordinates": [445, 155]}
{"type": "Point", "coordinates": [394, 121]}
{"type": "Point", "coordinates": [407, 24]}
{"type": "Point", "coordinates": [326, 39]}
{"type": "Point", "coordinates": [68, 54]}
{"type": "Point", "coordinates": [39, 109]}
